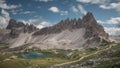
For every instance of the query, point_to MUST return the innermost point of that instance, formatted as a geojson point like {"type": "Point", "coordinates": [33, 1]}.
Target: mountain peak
{"type": "Point", "coordinates": [73, 33]}
{"type": "Point", "coordinates": [19, 27]}
{"type": "Point", "coordinates": [12, 23]}
{"type": "Point", "coordinates": [88, 23]}
{"type": "Point", "coordinates": [89, 14]}
{"type": "Point", "coordinates": [89, 18]}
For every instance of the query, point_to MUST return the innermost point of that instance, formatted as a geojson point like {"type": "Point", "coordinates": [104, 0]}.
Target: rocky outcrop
{"type": "Point", "coordinates": [93, 29]}
{"type": "Point", "coordinates": [19, 27]}
{"type": "Point", "coordinates": [14, 29]}
{"type": "Point", "coordinates": [13, 25]}
{"type": "Point", "coordinates": [67, 34]}
{"type": "Point", "coordinates": [94, 33]}
{"type": "Point", "coordinates": [4, 35]}
{"type": "Point", "coordinates": [69, 24]}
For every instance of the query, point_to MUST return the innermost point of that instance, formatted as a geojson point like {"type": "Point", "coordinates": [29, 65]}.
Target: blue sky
{"type": "Point", "coordinates": [48, 12]}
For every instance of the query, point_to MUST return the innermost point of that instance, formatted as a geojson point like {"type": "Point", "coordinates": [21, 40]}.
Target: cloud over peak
{"type": "Point", "coordinates": [54, 9]}
{"type": "Point", "coordinates": [79, 9]}
{"type": "Point", "coordinates": [114, 28]}
{"type": "Point", "coordinates": [4, 18]}
{"type": "Point", "coordinates": [39, 22]}
{"type": "Point", "coordinates": [112, 21]}
{"type": "Point", "coordinates": [115, 6]}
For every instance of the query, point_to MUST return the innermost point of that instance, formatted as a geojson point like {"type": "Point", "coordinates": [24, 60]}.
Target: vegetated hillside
{"type": "Point", "coordinates": [107, 57]}
{"type": "Point", "coordinates": [67, 34]}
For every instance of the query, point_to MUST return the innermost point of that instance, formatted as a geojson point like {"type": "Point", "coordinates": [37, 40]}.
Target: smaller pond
{"type": "Point", "coordinates": [34, 55]}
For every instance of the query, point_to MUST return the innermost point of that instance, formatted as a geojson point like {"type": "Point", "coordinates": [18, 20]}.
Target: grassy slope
{"type": "Point", "coordinates": [18, 62]}
{"type": "Point", "coordinates": [85, 55]}
{"type": "Point", "coordinates": [93, 54]}
{"type": "Point", "coordinates": [38, 62]}
{"type": "Point", "coordinates": [110, 52]}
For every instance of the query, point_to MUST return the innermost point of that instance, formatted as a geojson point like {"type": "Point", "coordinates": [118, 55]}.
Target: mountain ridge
{"type": "Point", "coordinates": [67, 34]}
{"type": "Point", "coordinates": [87, 21]}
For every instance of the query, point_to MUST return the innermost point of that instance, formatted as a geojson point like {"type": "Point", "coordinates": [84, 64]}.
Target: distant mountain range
{"type": "Point", "coordinates": [67, 34]}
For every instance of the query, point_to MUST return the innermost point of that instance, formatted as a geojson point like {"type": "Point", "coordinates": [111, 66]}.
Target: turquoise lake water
{"type": "Point", "coordinates": [34, 55]}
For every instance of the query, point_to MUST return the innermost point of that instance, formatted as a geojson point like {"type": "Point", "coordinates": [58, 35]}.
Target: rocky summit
{"type": "Point", "coordinates": [92, 28]}
{"type": "Point", "coordinates": [14, 30]}
{"type": "Point", "coordinates": [20, 26]}
{"type": "Point", "coordinates": [67, 34]}
{"type": "Point", "coordinates": [77, 31]}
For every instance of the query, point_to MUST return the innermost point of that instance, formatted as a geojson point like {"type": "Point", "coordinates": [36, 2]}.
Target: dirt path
{"type": "Point", "coordinates": [85, 56]}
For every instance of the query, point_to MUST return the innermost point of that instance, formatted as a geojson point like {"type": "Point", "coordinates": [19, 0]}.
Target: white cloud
{"type": "Point", "coordinates": [74, 9]}
{"type": "Point", "coordinates": [113, 23]}
{"type": "Point", "coordinates": [39, 22]}
{"type": "Point", "coordinates": [101, 22]}
{"type": "Point", "coordinates": [57, 10]}
{"type": "Point", "coordinates": [44, 24]}
{"type": "Point", "coordinates": [5, 14]}
{"type": "Point", "coordinates": [112, 30]}
{"type": "Point", "coordinates": [115, 20]}
{"type": "Point", "coordinates": [79, 9]}
{"type": "Point", "coordinates": [4, 19]}
{"type": "Point", "coordinates": [115, 6]}
{"type": "Point", "coordinates": [54, 9]}
{"type": "Point", "coordinates": [93, 1]}
{"type": "Point", "coordinates": [3, 5]}
{"type": "Point", "coordinates": [104, 4]}
{"type": "Point", "coordinates": [43, 0]}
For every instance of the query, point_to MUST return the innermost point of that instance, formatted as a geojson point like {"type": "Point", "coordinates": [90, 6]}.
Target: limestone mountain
{"type": "Point", "coordinates": [88, 22]}
{"type": "Point", "coordinates": [67, 34]}
{"type": "Point", "coordinates": [20, 26]}
{"type": "Point", "coordinates": [14, 29]}
{"type": "Point", "coordinates": [76, 32]}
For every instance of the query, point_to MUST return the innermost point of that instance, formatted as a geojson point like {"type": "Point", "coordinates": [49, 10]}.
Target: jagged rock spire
{"type": "Point", "coordinates": [88, 22]}
{"type": "Point", "coordinates": [19, 27]}
{"type": "Point", "coordinates": [12, 23]}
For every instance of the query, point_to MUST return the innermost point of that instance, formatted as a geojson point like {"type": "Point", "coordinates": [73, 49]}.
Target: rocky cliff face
{"type": "Point", "coordinates": [67, 34]}
{"type": "Point", "coordinates": [14, 29]}
{"type": "Point", "coordinates": [19, 27]}
{"type": "Point", "coordinates": [61, 26]}
{"type": "Point", "coordinates": [92, 28]}
{"type": "Point", "coordinates": [89, 32]}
